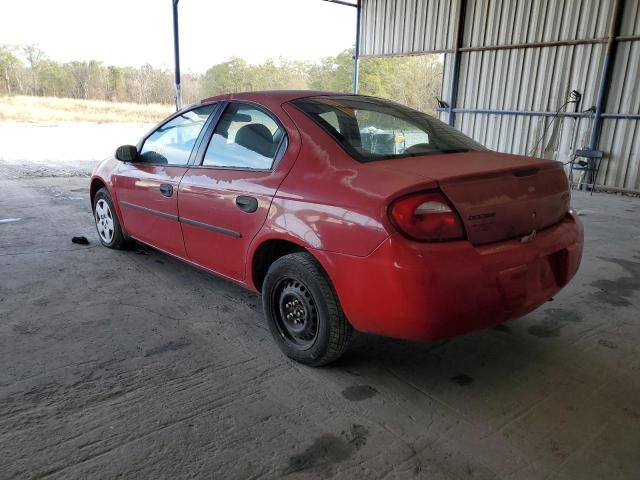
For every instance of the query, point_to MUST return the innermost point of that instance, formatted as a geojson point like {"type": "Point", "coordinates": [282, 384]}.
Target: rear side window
{"type": "Point", "coordinates": [171, 144]}
{"type": "Point", "coordinates": [245, 137]}
{"type": "Point", "coordinates": [372, 129]}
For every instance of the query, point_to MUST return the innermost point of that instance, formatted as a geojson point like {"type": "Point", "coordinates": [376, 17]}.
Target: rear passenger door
{"type": "Point", "coordinates": [147, 189]}
{"type": "Point", "coordinates": [225, 197]}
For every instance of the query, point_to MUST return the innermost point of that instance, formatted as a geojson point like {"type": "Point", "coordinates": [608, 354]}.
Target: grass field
{"type": "Point", "coordinates": [50, 109]}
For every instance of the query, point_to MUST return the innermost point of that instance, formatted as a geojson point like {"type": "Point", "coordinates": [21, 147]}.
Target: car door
{"type": "Point", "coordinates": [147, 189]}
{"type": "Point", "coordinates": [225, 197]}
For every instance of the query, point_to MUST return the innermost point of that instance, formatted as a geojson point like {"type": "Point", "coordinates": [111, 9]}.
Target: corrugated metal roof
{"type": "Point", "coordinates": [406, 26]}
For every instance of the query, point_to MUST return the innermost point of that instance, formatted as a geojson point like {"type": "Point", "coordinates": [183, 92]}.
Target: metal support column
{"type": "Point", "coordinates": [457, 55]}
{"type": "Point", "coordinates": [176, 53]}
{"type": "Point", "coordinates": [356, 56]}
{"type": "Point", "coordinates": [605, 81]}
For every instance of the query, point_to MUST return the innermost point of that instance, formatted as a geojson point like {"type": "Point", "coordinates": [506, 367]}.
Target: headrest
{"type": "Point", "coordinates": [256, 137]}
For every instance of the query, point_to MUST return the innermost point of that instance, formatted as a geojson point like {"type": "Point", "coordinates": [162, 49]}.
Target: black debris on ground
{"type": "Point", "coordinates": [80, 240]}
{"type": "Point", "coordinates": [462, 379]}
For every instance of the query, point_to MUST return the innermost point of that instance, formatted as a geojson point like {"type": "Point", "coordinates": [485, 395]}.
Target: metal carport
{"type": "Point", "coordinates": [509, 66]}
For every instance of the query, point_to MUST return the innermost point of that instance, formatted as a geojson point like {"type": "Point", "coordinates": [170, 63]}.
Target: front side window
{"type": "Point", "coordinates": [372, 129]}
{"type": "Point", "coordinates": [245, 137]}
{"type": "Point", "coordinates": [171, 144]}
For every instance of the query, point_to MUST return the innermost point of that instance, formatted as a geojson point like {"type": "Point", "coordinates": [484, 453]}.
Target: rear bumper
{"type": "Point", "coordinates": [426, 291]}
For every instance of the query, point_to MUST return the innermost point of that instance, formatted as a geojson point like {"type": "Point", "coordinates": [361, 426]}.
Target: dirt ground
{"type": "Point", "coordinates": [132, 364]}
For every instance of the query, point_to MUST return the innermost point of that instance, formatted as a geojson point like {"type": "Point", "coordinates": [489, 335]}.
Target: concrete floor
{"type": "Point", "coordinates": [133, 364]}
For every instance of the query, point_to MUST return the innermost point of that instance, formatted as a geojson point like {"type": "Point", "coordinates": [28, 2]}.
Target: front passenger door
{"type": "Point", "coordinates": [147, 190]}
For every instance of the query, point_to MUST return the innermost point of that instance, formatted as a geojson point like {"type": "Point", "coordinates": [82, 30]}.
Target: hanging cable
{"type": "Point", "coordinates": [574, 97]}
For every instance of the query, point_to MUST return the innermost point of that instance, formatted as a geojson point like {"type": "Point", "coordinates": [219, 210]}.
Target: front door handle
{"type": "Point", "coordinates": [247, 204]}
{"type": "Point", "coordinates": [166, 189]}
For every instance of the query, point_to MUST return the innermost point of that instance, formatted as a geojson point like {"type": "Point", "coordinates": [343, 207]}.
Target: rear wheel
{"type": "Point", "coordinates": [303, 311]}
{"type": "Point", "coordinates": [107, 222]}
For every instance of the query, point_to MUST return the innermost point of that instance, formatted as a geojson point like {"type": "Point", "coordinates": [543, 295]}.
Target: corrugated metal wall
{"type": "Point", "coordinates": [532, 79]}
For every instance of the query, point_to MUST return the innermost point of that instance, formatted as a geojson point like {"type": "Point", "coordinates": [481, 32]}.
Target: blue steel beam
{"type": "Point", "coordinates": [457, 55]}
{"type": "Point", "coordinates": [605, 77]}
{"type": "Point", "coordinates": [605, 83]}
{"type": "Point", "coordinates": [534, 113]}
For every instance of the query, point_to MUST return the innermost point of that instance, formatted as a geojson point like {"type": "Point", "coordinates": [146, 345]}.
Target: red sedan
{"type": "Point", "coordinates": [345, 212]}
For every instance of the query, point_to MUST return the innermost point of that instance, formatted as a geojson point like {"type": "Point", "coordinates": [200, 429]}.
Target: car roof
{"type": "Point", "coordinates": [270, 98]}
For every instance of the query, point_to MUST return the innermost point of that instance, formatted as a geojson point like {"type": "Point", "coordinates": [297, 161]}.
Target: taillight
{"type": "Point", "coordinates": [427, 217]}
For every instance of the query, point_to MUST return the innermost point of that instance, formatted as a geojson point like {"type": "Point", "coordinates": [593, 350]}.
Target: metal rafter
{"type": "Point", "coordinates": [176, 47]}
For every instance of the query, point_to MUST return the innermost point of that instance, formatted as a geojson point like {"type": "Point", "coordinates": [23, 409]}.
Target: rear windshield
{"type": "Point", "coordinates": [372, 129]}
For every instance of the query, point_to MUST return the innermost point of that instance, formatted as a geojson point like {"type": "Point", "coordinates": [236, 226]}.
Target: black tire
{"type": "Point", "coordinates": [107, 221]}
{"type": "Point", "coordinates": [303, 311]}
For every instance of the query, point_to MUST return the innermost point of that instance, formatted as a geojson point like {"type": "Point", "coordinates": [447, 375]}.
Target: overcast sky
{"type": "Point", "coordinates": [133, 32]}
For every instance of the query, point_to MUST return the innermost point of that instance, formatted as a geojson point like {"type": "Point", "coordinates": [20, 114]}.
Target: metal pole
{"type": "Point", "coordinates": [356, 56]}
{"type": "Point", "coordinates": [605, 82]}
{"type": "Point", "coordinates": [457, 55]}
{"type": "Point", "coordinates": [176, 53]}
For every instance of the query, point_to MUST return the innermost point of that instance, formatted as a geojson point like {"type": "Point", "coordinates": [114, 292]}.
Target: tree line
{"type": "Point", "coordinates": [26, 70]}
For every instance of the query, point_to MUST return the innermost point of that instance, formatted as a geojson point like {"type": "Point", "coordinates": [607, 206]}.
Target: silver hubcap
{"type": "Point", "coordinates": [104, 221]}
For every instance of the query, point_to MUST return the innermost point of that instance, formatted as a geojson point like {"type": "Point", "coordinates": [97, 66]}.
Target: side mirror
{"type": "Point", "coordinates": [127, 153]}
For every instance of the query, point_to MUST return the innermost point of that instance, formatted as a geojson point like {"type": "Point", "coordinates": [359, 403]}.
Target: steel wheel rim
{"type": "Point", "coordinates": [295, 313]}
{"type": "Point", "coordinates": [104, 221]}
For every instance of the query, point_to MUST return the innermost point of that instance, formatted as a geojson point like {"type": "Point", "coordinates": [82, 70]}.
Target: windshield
{"type": "Point", "coordinates": [372, 129]}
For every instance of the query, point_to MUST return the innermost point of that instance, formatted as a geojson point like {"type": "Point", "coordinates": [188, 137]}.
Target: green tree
{"type": "Point", "coordinates": [9, 65]}
{"type": "Point", "coordinates": [34, 56]}
{"type": "Point", "coordinates": [116, 89]}
{"type": "Point", "coordinates": [231, 76]}
{"type": "Point", "coordinates": [280, 74]}
{"type": "Point", "coordinates": [412, 80]}
{"type": "Point", "coordinates": [89, 80]}
{"type": "Point", "coordinates": [54, 79]}
{"type": "Point", "coordinates": [333, 73]}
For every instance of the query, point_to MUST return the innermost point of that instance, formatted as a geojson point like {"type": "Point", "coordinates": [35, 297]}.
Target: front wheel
{"type": "Point", "coordinates": [107, 222]}
{"type": "Point", "coordinates": [303, 311]}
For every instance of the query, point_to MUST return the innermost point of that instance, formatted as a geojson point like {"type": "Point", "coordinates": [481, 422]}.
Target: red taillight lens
{"type": "Point", "coordinates": [427, 217]}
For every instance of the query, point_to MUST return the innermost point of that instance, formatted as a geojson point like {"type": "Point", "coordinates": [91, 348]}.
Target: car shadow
{"type": "Point", "coordinates": [480, 349]}
{"type": "Point", "coordinates": [489, 358]}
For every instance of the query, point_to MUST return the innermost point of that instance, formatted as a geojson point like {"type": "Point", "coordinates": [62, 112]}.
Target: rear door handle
{"type": "Point", "coordinates": [247, 204]}
{"type": "Point", "coordinates": [166, 189]}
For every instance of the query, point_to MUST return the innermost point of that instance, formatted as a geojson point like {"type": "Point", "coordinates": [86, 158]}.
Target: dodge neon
{"type": "Point", "coordinates": [345, 212]}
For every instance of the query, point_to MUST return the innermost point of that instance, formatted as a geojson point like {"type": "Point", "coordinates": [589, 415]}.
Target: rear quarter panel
{"type": "Point", "coordinates": [329, 201]}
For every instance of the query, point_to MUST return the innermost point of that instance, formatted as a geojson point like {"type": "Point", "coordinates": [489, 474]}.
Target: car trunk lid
{"type": "Point", "coordinates": [498, 196]}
